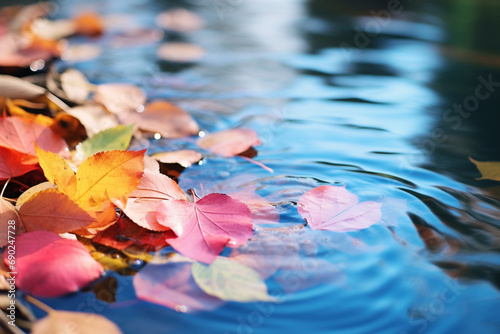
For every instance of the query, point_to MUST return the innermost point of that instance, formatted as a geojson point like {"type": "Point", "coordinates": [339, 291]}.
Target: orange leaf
{"type": "Point", "coordinates": [108, 175]}
{"type": "Point", "coordinates": [14, 163]}
{"type": "Point", "coordinates": [57, 170]}
{"type": "Point", "coordinates": [51, 210]}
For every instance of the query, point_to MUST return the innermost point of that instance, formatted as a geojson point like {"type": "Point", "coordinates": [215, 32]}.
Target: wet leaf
{"type": "Point", "coordinates": [336, 209]}
{"type": "Point", "coordinates": [179, 19]}
{"type": "Point", "coordinates": [230, 281]}
{"type": "Point", "coordinates": [14, 163]}
{"type": "Point", "coordinates": [74, 322]}
{"type": "Point", "coordinates": [180, 52]}
{"type": "Point", "coordinates": [153, 189]}
{"type": "Point", "coordinates": [120, 98]}
{"type": "Point", "coordinates": [205, 227]}
{"type": "Point", "coordinates": [164, 118]}
{"type": "Point", "coordinates": [185, 158]}
{"type": "Point", "coordinates": [231, 142]}
{"type": "Point", "coordinates": [117, 138]}
{"type": "Point", "coordinates": [51, 210]}
{"type": "Point", "coordinates": [173, 286]}
{"type": "Point", "coordinates": [50, 266]}
{"type": "Point", "coordinates": [490, 170]}
{"type": "Point", "coordinates": [108, 175]}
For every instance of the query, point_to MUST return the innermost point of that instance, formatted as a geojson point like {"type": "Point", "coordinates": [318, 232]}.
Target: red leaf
{"type": "Point", "coordinates": [205, 227]}
{"type": "Point", "coordinates": [19, 134]}
{"type": "Point", "coordinates": [14, 163]}
{"type": "Point", "coordinates": [172, 285]}
{"type": "Point", "coordinates": [336, 209]}
{"type": "Point", "coordinates": [231, 142]}
{"type": "Point", "coordinates": [50, 266]}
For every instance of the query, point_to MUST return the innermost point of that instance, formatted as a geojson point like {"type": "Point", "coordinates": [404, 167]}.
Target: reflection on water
{"type": "Point", "coordinates": [341, 93]}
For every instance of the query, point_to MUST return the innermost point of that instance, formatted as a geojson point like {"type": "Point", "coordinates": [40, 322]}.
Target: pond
{"type": "Point", "coordinates": [387, 98]}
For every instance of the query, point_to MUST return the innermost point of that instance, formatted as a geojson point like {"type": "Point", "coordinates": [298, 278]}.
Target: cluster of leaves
{"type": "Point", "coordinates": [75, 191]}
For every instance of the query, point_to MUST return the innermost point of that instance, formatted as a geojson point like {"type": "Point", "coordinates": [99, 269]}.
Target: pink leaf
{"type": "Point", "coordinates": [172, 285]}
{"type": "Point", "coordinates": [142, 203]}
{"type": "Point", "coordinates": [231, 142]}
{"type": "Point", "coordinates": [50, 266]}
{"type": "Point", "coordinates": [336, 209]}
{"type": "Point", "coordinates": [205, 227]}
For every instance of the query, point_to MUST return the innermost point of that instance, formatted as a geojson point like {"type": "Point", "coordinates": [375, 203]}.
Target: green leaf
{"type": "Point", "coordinates": [117, 138]}
{"type": "Point", "coordinates": [231, 281]}
{"type": "Point", "coordinates": [490, 170]}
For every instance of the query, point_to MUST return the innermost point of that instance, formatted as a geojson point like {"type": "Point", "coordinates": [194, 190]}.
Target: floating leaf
{"type": "Point", "coordinates": [108, 175]}
{"type": "Point", "coordinates": [64, 322]}
{"type": "Point", "coordinates": [185, 158]}
{"type": "Point", "coordinates": [231, 281]}
{"type": "Point", "coordinates": [336, 209]}
{"type": "Point", "coordinates": [117, 138]}
{"type": "Point", "coordinates": [51, 210]}
{"type": "Point", "coordinates": [490, 170]}
{"type": "Point", "coordinates": [50, 266]}
{"type": "Point", "coordinates": [205, 227]}
{"type": "Point", "coordinates": [89, 23]}
{"type": "Point", "coordinates": [172, 285]}
{"type": "Point", "coordinates": [180, 52]}
{"type": "Point", "coordinates": [179, 19]}
{"type": "Point", "coordinates": [231, 142]}
{"type": "Point", "coordinates": [120, 98]}
{"type": "Point", "coordinates": [164, 118]}
{"type": "Point", "coordinates": [154, 188]}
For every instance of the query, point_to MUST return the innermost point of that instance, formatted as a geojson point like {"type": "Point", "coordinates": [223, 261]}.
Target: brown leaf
{"type": "Point", "coordinates": [120, 98]}
{"type": "Point", "coordinates": [74, 322]}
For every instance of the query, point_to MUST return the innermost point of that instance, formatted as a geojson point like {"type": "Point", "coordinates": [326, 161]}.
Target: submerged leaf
{"type": "Point", "coordinates": [490, 170]}
{"type": "Point", "coordinates": [336, 209]}
{"type": "Point", "coordinates": [231, 281]}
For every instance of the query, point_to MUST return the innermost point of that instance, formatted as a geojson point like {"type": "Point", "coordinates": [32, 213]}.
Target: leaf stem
{"type": "Point", "coordinates": [39, 304]}
{"type": "Point", "coordinates": [20, 183]}
{"type": "Point", "coordinates": [4, 187]}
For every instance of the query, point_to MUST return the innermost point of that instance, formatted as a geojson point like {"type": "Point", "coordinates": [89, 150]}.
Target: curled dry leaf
{"type": "Point", "coordinates": [62, 321]}
{"type": "Point", "coordinates": [185, 158]}
{"type": "Point", "coordinates": [336, 209]}
{"type": "Point", "coordinates": [206, 226]}
{"type": "Point", "coordinates": [15, 88]}
{"type": "Point", "coordinates": [120, 98]}
{"type": "Point", "coordinates": [172, 285]}
{"type": "Point", "coordinates": [71, 85]}
{"type": "Point", "coordinates": [231, 142]}
{"type": "Point", "coordinates": [50, 266]}
{"type": "Point", "coordinates": [179, 19]}
{"type": "Point", "coordinates": [164, 118]}
{"type": "Point", "coordinates": [94, 118]}
{"type": "Point", "coordinates": [180, 52]}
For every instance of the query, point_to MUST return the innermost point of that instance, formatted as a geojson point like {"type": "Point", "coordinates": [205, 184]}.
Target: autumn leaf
{"type": "Point", "coordinates": [206, 226]}
{"type": "Point", "coordinates": [117, 138]}
{"type": "Point", "coordinates": [9, 215]}
{"type": "Point", "coordinates": [108, 175]}
{"type": "Point", "coordinates": [57, 171]}
{"type": "Point", "coordinates": [179, 19]}
{"type": "Point", "coordinates": [172, 285]}
{"type": "Point", "coordinates": [50, 266]}
{"type": "Point", "coordinates": [336, 209]}
{"type": "Point", "coordinates": [51, 210]}
{"type": "Point", "coordinates": [64, 321]}
{"type": "Point", "coordinates": [154, 188]}
{"type": "Point", "coordinates": [185, 158]}
{"type": "Point", "coordinates": [19, 134]}
{"type": "Point", "coordinates": [120, 98]}
{"type": "Point", "coordinates": [164, 118]}
{"type": "Point", "coordinates": [33, 190]}
{"type": "Point", "coordinates": [14, 163]}
{"type": "Point", "coordinates": [231, 142]}
{"type": "Point", "coordinates": [490, 170]}
{"type": "Point", "coordinates": [231, 281]}
{"type": "Point", "coordinates": [180, 52]}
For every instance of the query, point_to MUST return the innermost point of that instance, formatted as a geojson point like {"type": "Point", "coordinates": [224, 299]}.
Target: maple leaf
{"type": "Point", "coordinates": [50, 266]}
{"type": "Point", "coordinates": [204, 227]}
{"type": "Point", "coordinates": [336, 209]}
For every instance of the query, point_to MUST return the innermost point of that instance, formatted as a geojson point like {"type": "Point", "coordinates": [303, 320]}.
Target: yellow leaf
{"type": "Point", "coordinates": [490, 170]}
{"type": "Point", "coordinates": [57, 171]}
{"type": "Point", "coordinates": [108, 175]}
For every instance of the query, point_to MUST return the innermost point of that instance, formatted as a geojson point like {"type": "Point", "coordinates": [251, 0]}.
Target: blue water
{"type": "Point", "coordinates": [372, 118]}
